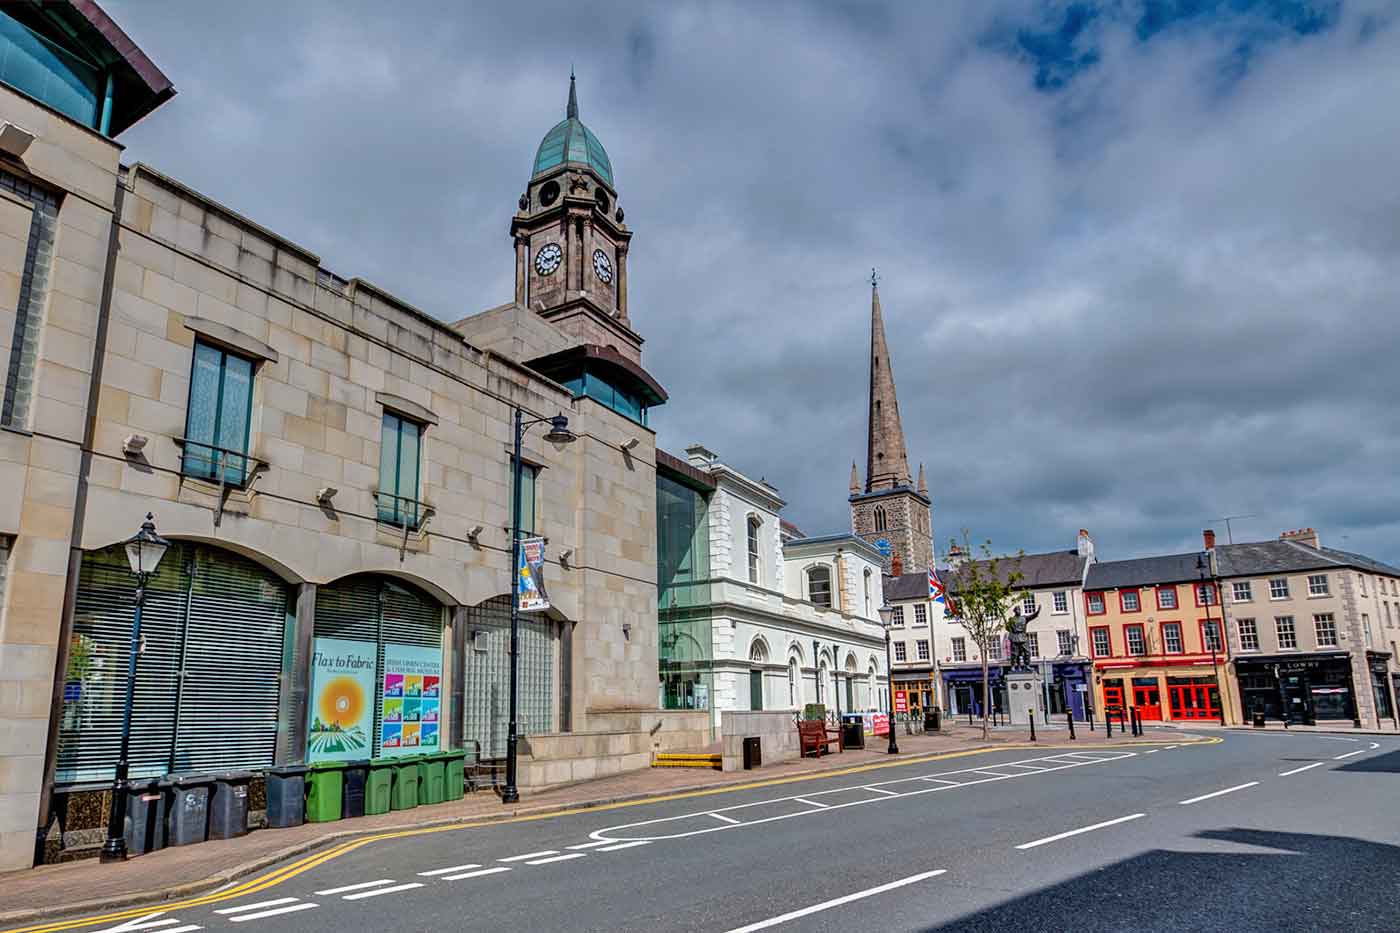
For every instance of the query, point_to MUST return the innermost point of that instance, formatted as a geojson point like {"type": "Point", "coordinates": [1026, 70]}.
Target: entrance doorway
{"type": "Point", "coordinates": [1147, 697]}
{"type": "Point", "coordinates": [1193, 698]}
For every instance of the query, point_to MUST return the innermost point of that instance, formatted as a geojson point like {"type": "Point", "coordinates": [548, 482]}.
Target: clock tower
{"type": "Point", "coordinates": [571, 242]}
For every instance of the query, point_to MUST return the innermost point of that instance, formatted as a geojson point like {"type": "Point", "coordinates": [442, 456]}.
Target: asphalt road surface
{"type": "Point", "coordinates": [1255, 832]}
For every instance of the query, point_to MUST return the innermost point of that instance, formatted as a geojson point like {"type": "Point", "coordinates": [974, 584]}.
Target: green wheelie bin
{"type": "Point", "coordinates": [454, 775]}
{"type": "Point", "coordinates": [325, 780]}
{"type": "Point", "coordinates": [379, 787]}
{"type": "Point", "coordinates": [405, 790]}
{"type": "Point", "coordinates": [430, 777]}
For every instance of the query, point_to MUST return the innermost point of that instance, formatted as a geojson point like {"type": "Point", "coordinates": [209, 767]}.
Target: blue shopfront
{"type": "Point", "coordinates": [1068, 686]}
{"type": "Point", "coordinates": [963, 688]}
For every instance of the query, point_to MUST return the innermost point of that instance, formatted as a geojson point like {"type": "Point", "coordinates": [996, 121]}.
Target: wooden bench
{"type": "Point", "coordinates": [816, 735]}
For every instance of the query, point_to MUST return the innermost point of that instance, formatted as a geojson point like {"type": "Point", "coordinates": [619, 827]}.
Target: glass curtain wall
{"type": "Point", "coordinates": [683, 593]}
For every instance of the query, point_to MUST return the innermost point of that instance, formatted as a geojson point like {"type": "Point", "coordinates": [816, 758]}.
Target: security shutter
{"type": "Point", "coordinates": [486, 717]}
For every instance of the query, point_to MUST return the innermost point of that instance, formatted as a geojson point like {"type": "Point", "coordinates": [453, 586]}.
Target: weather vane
{"type": "Point", "coordinates": [874, 277]}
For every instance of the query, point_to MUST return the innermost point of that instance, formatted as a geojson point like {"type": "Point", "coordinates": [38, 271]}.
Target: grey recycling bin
{"type": "Point", "coordinates": [753, 753]}
{"type": "Point", "coordinates": [144, 827]}
{"type": "Point", "coordinates": [228, 804]}
{"type": "Point", "coordinates": [286, 795]}
{"type": "Point", "coordinates": [853, 731]}
{"type": "Point", "coordinates": [187, 808]}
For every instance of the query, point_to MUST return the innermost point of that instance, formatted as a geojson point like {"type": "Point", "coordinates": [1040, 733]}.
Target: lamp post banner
{"type": "Point", "coordinates": [532, 596]}
{"type": "Point", "coordinates": [342, 694]}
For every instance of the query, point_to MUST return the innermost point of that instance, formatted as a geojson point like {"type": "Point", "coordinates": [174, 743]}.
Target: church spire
{"type": "Point", "coordinates": [887, 463]}
{"type": "Point", "coordinates": [572, 110]}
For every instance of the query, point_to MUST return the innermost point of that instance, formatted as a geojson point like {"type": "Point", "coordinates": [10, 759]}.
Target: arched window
{"type": "Point", "coordinates": [754, 525]}
{"type": "Point", "coordinates": [868, 607]}
{"type": "Point", "coordinates": [881, 520]}
{"type": "Point", "coordinates": [819, 585]}
{"type": "Point", "coordinates": [792, 680]}
{"type": "Point", "coordinates": [758, 651]}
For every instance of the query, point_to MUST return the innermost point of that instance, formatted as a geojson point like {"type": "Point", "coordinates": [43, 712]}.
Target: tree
{"type": "Point", "coordinates": [980, 594]}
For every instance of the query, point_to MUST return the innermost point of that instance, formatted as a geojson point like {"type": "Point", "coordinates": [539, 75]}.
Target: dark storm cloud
{"type": "Point", "coordinates": [1139, 260]}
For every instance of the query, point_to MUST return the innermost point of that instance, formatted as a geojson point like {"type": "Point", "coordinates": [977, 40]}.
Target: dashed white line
{"type": "Point", "coordinates": [1083, 829]}
{"type": "Point", "coordinates": [446, 871]}
{"type": "Point", "coordinates": [725, 819]}
{"type": "Point", "coordinates": [626, 845]}
{"type": "Point", "coordinates": [558, 858]}
{"type": "Point", "coordinates": [933, 780]}
{"type": "Point", "coordinates": [812, 803]}
{"type": "Point", "coordinates": [1359, 751]}
{"type": "Point", "coordinates": [476, 874]}
{"type": "Point", "coordinates": [243, 908]}
{"type": "Point", "coordinates": [991, 774]}
{"type": "Point", "coordinates": [289, 909]}
{"type": "Point", "coordinates": [881, 790]}
{"type": "Point", "coordinates": [1152, 751]}
{"type": "Point", "coordinates": [378, 891]}
{"type": "Point", "coordinates": [590, 845]}
{"type": "Point", "coordinates": [1218, 793]}
{"type": "Point", "coordinates": [355, 887]}
{"type": "Point", "coordinates": [529, 855]}
{"type": "Point", "coordinates": [1315, 764]}
{"type": "Point", "coordinates": [1170, 747]}
{"type": "Point", "coordinates": [837, 902]}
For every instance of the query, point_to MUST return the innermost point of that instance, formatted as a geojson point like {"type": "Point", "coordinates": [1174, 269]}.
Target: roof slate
{"type": "Point", "coordinates": [1057, 568]}
{"type": "Point", "coordinates": [1143, 571]}
{"type": "Point", "coordinates": [1260, 557]}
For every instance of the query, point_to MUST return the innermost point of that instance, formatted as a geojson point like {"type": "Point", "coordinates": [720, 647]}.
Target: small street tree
{"type": "Point", "coordinates": [981, 591]}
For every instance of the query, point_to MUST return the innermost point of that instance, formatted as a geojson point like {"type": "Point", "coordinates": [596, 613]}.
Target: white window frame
{"type": "Point", "coordinates": [959, 648]}
{"type": "Point", "coordinates": [1169, 591]}
{"type": "Point", "coordinates": [920, 614]}
{"type": "Point", "coordinates": [1278, 588]}
{"type": "Point", "coordinates": [994, 651]}
{"type": "Point", "coordinates": [921, 649]}
{"type": "Point", "coordinates": [1136, 598]}
{"type": "Point", "coordinates": [1141, 632]}
{"type": "Point", "coordinates": [1028, 604]}
{"type": "Point", "coordinates": [1249, 637]}
{"type": "Point", "coordinates": [1060, 602]}
{"type": "Point", "coordinates": [901, 653]}
{"type": "Point", "coordinates": [830, 585]}
{"type": "Point", "coordinates": [1318, 585]}
{"type": "Point", "coordinates": [1329, 620]}
{"type": "Point", "coordinates": [1065, 639]}
{"type": "Point", "coordinates": [1167, 646]}
{"type": "Point", "coordinates": [1291, 630]}
{"type": "Point", "coordinates": [1033, 643]}
{"type": "Point", "coordinates": [1241, 592]}
{"type": "Point", "coordinates": [897, 617]}
{"type": "Point", "coordinates": [755, 556]}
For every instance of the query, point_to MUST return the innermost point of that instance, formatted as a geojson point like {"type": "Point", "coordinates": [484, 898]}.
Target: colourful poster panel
{"type": "Point", "coordinates": [412, 700]}
{"type": "Point", "coordinates": [342, 700]}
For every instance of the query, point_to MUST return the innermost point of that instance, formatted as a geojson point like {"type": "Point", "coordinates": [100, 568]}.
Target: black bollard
{"type": "Point", "coordinates": [1089, 712]}
{"type": "Point", "coordinates": [1030, 715]}
{"type": "Point", "coordinates": [1123, 719]}
{"type": "Point", "coordinates": [1070, 717]}
{"type": "Point", "coordinates": [1107, 725]}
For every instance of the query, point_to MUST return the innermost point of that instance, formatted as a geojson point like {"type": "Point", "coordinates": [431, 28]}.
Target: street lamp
{"type": "Point", "coordinates": [144, 551]}
{"type": "Point", "coordinates": [886, 617]}
{"type": "Point", "coordinates": [1202, 568]}
{"type": "Point", "coordinates": [558, 433]}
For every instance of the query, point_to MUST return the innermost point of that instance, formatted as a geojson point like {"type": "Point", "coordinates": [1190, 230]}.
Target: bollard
{"type": "Point", "coordinates": [1070, 717]}
{"type": "Point", "coordinates": [969, 715]}
{"type": "Point", "coordinates": [1107, 725]}
{"type": "Point", "coordinates": [1030, 715]}
{"type": "Point", "coordinates": [1090, 712]}
{"type": "Point", "coordinates": [1122, 719]}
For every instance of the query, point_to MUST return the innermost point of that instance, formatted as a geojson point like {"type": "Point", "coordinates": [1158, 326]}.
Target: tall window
{"type": "Point", "coordinates": [1061, 602]}
{"type": "Point", "coordinates": [900, 653]}
{"type": "Point", "coordinates": [398, 475]}
{"type": "Point", "coordinates": [922, 646]}
{"type": "Point", "coordinates": [1171, 637]}
{"type": "Point", "coordinates": [1249, 634]}
{"type": "Point", "coordinates": [1205, 594]}
{"type": "Point", "coordinates": [1287, 637]}
{"type": "Point", "coordinates": [1130, 600]}
{"type": "Point", "coordinates": [1102, 645]}
{"type": "Point", "coordinates": [881, 522]}
{"type": "Point", "coordinates": [994, 649]}
{"type": "Point", "coordinates": [959, 649]}
{"type": "Point", "coordinates": [1326, 627]}
{"type": "Point", "coordinates": [897, 617]}
{"type": "Point", "coordinates": [1065, 643]}
{"type": "Point", "coordinates": [1137, 644]}
{"type": "Point", "coordinates": [1362, 577]}
{"type": "Point", "coordinates": [1210, 635]}
{"type": "Point", "coordinates": [1028, 603]}
{"type": "Point", "coordinates": [1095, 603]}
{"type": "Point", "coordinates": [220, 409]}
{"type": "Point", "coordinates": [33, 285]}
{"type": "Point", "coordinates": [1278, 588]}
{"type": "Point", "coordinates": [1033, 643]}
{"type": "Point", "coordinates": [819, 586]}
{"type": "Point", "coordinates": [754, 565]}
{"type": "Point", "coordinates": [1166, 597]}
{"type": "Point", "coordinates": [869, 608]}
{"type": "Point", "coordinates": [920, 614]}
{"type": "Point", "coordinates": [1317, 584]}
{"type": "Point", "coordinates": [792, 681]}
{"type": "Point", "coordinates": [1243, 591]}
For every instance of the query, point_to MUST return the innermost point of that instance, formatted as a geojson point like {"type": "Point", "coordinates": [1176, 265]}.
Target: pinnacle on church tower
{"type": "Point", "coordinates": [855, 478]}
{"type": "Point", "coordinates": [887, 463]}
{"type": "Point", "coordinates": [923, 483]}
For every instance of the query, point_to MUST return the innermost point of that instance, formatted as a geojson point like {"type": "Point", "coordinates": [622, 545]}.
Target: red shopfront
{"type": "Point", "coordinates": [1161, 690]}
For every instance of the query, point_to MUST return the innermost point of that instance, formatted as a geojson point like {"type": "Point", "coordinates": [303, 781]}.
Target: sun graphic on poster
{"type": "Point", "coordinates": [342, 702]}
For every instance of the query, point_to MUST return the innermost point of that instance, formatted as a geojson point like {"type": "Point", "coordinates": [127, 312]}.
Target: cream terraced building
{"type": "Point", "coordinates": [331, 463]}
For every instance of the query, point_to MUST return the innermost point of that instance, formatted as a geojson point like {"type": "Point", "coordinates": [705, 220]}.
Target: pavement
{"type": "Point", "coordinates": [1234, 831]}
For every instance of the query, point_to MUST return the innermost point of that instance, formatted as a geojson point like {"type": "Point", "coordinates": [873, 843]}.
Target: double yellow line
{"type": "Point", "coordinates": [291, 870]}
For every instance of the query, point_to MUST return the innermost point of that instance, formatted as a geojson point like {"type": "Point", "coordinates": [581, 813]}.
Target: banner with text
{"type": "Point", "coordinates": [342, 697]}
{"type": "Point", "coordinates": [532, 596]}
{"type": "Point", "coordinates": [411, 710]}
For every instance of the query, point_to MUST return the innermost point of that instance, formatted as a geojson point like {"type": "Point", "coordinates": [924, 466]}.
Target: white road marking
{"type": "Point", "coordinates": [446, 871]}
{"type": "Point", "coordinates": [355, 887]}
{"type": "Point", "coordinates": [992, 774]}
{"type": "Point", "coordinates": [1315, 764]}
{"type": "Point", "coordinates": [1218, 793]}
{"type": "Point", "coordinates": [625, 845]}
{"type": "Point", "coordinates": [1152, 751]}
{"type": "Point", "coordinates": [1083, 829]}
{"type": "Point", "coordinates": [378, 891]}
{"type": "Point", "coordinates": [721, 816]}
{"type": "Point", "coordinates": [837, 902]}
{"type": "Point", "coordinates": [529, 855]}
{"type": "Point", "coordinates": [812, 803]}
{"type": "Point", "coordinates": [558, 858]}
{"type": "Point", "coordinates": [1031, 768]}
{"type": "Point", "coordinates": [289, 909]}
{"type": "Point", "coordinates": [476, 874]}
{"type": "Point", "coordinates": [1169, 748]}
{"type": "Point", "coordinates": [246, 907]}
{"type": "Point", "coordinates": [590, 845]}
{"type": "Point", "coordinates": [1375, 745]}
{"type": "Point", "coordinates": [881, 790]}
{"type": "Point", "coordinates": [939, 781]}
{"type": "Point", "coordinates": [148, 922]}
{"type": "Point", "coordinates": [1359, 751]}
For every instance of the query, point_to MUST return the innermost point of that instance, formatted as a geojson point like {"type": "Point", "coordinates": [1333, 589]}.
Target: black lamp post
{"type": "Point", "coordinates": [1203, 568]}
{"type": "Point", "coordinates": [144, 551]}
{"type": "Point", "coordinates": [558, 433]}
{"type": "Point", "coordinates": [886, 616]}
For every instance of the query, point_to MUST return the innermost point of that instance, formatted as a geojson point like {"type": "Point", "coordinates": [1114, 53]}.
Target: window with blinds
{"type": "Point", "coordinates": [213, 629]}
{"type": "Point", "coordinates": [380, 611]}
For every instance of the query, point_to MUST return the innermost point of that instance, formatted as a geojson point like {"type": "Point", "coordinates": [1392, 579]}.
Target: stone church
{"type": "Point", "coordinates": [889, 511]}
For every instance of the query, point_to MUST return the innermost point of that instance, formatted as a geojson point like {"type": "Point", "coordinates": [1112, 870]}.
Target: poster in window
{"type": "Point", "coordinates": [342, 694]}
{"type": "Point", "coordinates": [412, 697]}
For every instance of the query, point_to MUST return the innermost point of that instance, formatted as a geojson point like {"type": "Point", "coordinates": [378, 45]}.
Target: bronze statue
{"type": "Point", "coordinates": [1016, 629]}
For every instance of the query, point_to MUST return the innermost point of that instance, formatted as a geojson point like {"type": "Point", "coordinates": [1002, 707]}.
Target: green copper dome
{"type": "Point", "coordinates": [571, 141]}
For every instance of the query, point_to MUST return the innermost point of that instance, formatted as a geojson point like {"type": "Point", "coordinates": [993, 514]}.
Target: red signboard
{"type": "Point", "coordinates": [881, 724]}
{"type": "Point", "coordinates": [901, 701]}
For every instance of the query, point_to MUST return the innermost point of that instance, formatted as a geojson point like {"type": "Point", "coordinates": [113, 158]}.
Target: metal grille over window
{"type": "Point", "coordinates": [213, 629]}
{"type": "Point", "coordinates": [486, 715]}
{"type": "Point", "coordinates": [29, 302]}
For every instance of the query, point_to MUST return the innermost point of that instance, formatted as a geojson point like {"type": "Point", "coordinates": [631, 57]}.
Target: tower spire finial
{"type": "Point", "coordinates": [887, 463]}
{"type": "Point", "coordinates": [572, 110]}
{"type": "Point", "coordinates": [874, 278]}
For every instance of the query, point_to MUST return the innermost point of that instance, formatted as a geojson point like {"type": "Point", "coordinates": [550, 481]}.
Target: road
{"type": "Point", "coordinates": [1252, 832]}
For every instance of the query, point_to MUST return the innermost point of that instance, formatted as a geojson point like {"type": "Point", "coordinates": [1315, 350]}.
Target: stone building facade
{"type": "Point", "coordinates": [332, 465]}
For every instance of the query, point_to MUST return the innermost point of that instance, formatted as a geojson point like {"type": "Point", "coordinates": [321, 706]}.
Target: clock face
{"type": "Point", "coordinates": [548, 258]}
{"type": "Point", "coordinates": [602, 266]}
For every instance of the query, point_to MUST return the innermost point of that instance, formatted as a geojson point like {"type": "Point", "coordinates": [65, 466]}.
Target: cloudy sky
{"type": "Point", "coordinates": [1140, 260]}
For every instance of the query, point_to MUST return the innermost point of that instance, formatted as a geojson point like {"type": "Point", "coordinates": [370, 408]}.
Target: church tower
{"type": "Point", "coordinates": [889, 511]}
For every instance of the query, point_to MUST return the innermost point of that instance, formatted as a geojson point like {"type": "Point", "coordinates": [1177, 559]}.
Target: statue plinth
{"type": "Point", "coordinates": [1025, 691]}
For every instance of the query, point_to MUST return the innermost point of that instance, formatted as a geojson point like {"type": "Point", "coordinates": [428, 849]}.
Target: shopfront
{"type": "Point", "coordinates": [1069, 690]}
{"type": "Point", "coordinates": [1298, 688]}
{"type": "Point", "coordinates": [963, 688]}
{"type": "Point", "coordinates": [1179, 692]}
{"type": "Point", "coordinates": [918, 687]}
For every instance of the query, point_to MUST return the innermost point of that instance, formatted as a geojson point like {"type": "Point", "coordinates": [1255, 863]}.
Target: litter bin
{"type": "Point", "coordinates": [853, 731]}
{"type": "Point", "coordinates": [352, 792]}
{"type": "Point", "coordinates": [753, 752]}
{"type": "Point", "coordinates": [286, 795]}
{"type": "Point", "coordinates": [454, 774]}
{"type": "Point", "coordinates": [379, 787]}
{"type": "Point", "coordinates": [228, 805]}
{"type": "Point", "coordinates": [187, 808]}
{"type": "Point", "coordinates": [144, 826]}
{"type": "Point", "coordinates": [1258, 719]}
{"type": "Point", "coordinates": [323, 796]}
{"type": "Point", "coordinates": [405, 792]}
{"type": "Point", "coordinates": [430, 778]}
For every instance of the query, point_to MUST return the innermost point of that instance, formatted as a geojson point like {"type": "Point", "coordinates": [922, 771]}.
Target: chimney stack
{"type": "Point", "coordinates": [1306, 536]}
{"type": "Point", "coordinates": [1086, 544]}
{"type": "Point", "coordinates": [896, 565]}
{"type": "Point", "coordinates": [1209, 537]}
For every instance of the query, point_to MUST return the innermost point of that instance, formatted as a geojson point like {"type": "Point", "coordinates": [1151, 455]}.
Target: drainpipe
{"type": "Point", "coordinates": [75, 551]}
